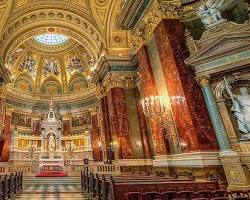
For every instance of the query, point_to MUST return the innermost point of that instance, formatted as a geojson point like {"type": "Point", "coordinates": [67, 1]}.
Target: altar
{"type": "Point", "coordinates": [51, 156]}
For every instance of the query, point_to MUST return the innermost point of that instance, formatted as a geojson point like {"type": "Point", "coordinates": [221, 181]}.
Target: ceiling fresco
{"type": "Point", "coordinates": [43, 70]}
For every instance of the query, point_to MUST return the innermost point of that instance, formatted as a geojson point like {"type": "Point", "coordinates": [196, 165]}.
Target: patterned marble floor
{"type": "Point", "coordinates": [52, 189]}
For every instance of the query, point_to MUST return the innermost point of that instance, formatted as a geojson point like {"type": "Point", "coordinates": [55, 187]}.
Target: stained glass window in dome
{"type": "Point", "coordinates": [51, 39]}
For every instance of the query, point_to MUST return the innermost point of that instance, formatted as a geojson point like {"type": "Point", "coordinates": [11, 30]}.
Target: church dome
{"type": "Point", "coordinates": [50, 64]}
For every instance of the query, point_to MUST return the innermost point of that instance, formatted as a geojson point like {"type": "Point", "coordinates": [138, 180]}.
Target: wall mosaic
{"type": "Point", "coordinates": [81, 120]}
{"type": "Point", "coordinates": [21, 120]}
{"type": "Point", "coordinates": [51, 88]}
{"type": "Point", "coordinates": [74, 64]}
{"type": "Point", "coordinates": [51, 66]}
{"type": "Point", "coordinates": [23, 85]}
{"type": "Point", "coordinates": [28, 64]}
{"type": "Point", "coordinates": [78, 85]}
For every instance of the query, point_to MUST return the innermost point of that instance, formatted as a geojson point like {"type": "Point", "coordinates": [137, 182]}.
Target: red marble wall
{"type": "Point", "coordinates": [105, 126]}
{"type": "Point", "coordinates": [6, 146]}
{"type": "Point", "coordinates": [191, 116]}
{"type": "Point", "coordinates": [66, 127]}
{"type": "Point", "coordinates": [149, 89]}
{"type": "Point", "coordinates": [36, 127]}
{"type": "Point", "coordinates": [143, 127]}
{"type": "Point", "coordinates": [119, 122]}
{"type": "Point", "coordinates": [97, 152]}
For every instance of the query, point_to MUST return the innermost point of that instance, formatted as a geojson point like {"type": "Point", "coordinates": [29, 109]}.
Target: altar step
{"type": "Point", "coordinates": [56, 188]}
{"type": "Point", "coordinates": [51, 181]}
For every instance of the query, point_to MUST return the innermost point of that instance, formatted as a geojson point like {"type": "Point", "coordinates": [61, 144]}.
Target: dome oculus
{"type": "Point", "coordinates": [51, 39]}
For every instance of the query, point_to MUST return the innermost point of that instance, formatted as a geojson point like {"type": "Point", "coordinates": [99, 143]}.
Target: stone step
{"type": "Point", "coordinates": [56, 196]}
{"type": "Point", "coordinates": [51, 180]}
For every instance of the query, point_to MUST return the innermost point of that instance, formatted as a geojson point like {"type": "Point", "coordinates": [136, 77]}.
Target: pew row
{"type": "Point", "coordinates": [11, 185]}
{"type": "Point", "coordinates": [115, 187]}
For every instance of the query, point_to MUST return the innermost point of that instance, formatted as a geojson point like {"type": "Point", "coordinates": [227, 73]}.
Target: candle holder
{"type": "Point", "coordinates": [154, 107]}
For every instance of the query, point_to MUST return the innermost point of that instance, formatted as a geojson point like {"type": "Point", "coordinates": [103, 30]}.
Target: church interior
{"type": "Point", "coordinates": [125, 99]}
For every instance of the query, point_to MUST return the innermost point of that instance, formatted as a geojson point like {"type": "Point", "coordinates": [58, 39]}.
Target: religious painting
{"type": "Point", "coordinates": [78, 86]}
{"type": "Point", "coordinates": [81, 120]}
{"type": "Point", "coordinates": [51, 89]}
{"type": "Point", "coordinates": [23, 85]}
{"type": "Point", "coordinates": [14, 56]}
{"type": "Point", "coordinates": [51, 66]}
{"type": "Point", "coordinates": [28, 64]}
{"type": "Point", "coordinates": [21, 119]}
{"type": "Point", "coordinates": [74, 64]}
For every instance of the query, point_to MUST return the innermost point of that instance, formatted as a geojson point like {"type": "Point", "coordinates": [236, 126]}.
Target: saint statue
{"type": "Point", "coordinates": [51, 142]}
{"type": "Point", "coordinates": [209, 12]}
{"type": "Point", "coordinates": [241, 109]}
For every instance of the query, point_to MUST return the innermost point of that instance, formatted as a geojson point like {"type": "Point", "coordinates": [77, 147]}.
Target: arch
{"type": "Point", "coordinates": [51, 87]}
{"type": "Point", "coordinates": [36, 22]}
{"type": "Point", "coordinates": [24, 82]}
{"type": "Point", "coordinates": [78, 83]}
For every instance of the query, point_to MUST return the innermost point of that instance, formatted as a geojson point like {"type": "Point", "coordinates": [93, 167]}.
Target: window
{"type": "Point", "coordinates": [51, 39]}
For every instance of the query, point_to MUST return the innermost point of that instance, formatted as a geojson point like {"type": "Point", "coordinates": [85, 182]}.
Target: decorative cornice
{"type": "Point", "coordinates": [160, 9]}
{"type": "Point", "coordinates": [2, 92]}
{"type": "Point", "coordinates": [116, 81]}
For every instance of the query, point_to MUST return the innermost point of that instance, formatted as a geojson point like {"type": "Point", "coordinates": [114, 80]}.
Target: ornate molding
{"type": "Point", "coordinates": [159, 10]}
{"type": "Point", "coordinates": [115, 81]}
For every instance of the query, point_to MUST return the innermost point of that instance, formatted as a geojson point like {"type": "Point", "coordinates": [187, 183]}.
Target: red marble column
{"type": "Point", "coordinates": [6, 146]}
{"type": "Point", "coordinates": [188, 106]}
{"type": "Point", "coordinates": [36, 127]}
{"type": "Point", "coordinates": [66, 127]}
{"type": "Point", "coordinates": [97, 152]}
{"type": "Point", "coordinates": [119, 122]}
{"type": "Point", "coordinates": [105, 127]}
{"type": "Point", "coordinates": [149, 89]}
{"type": "Point", "coordinates": [143, 127]}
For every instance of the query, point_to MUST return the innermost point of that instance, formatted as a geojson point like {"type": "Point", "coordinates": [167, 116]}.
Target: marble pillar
{"type": "Point", "coordinates": [148, 87]}
{"type": "Point", "coordinates": [105, 128]}
{"type": "Point", "coordinates": [119, 123]}
{"type": "Point", "coordinates": [215, 116]}
{"type": "Point", "coordinates": [143, 127]}
{"type": "Point", "coordinates": [96, 143]}
{"type": "Point", "coordinates": [187, 103]}
{"type": "Point", "coordinates": [237, 177]}
{"type": "Point", "coordinates": [7, 135]}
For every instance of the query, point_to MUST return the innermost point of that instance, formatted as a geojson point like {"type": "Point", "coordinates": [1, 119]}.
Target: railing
{"type": "Point", "coordinates": [103, 168]}
{"type": "Point", "coordinates": [6, 168]}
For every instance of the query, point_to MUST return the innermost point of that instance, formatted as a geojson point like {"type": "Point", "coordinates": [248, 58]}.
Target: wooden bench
{"type": "Point", "coordinates": [11, 185]}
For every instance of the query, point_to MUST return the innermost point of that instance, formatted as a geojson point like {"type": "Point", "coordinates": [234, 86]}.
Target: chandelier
{"type": "Point", "coordinates": [155, 107]}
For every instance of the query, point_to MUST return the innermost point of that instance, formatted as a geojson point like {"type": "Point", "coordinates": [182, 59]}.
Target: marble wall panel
{"type": "Point", "coordinates": [6, 146]}
{"type": "Point", "coordinates": [119, 123]}
{"type": "Point", "coordinates": [149, 89]}
{"type": "Point", "coordinates": [96, 144]}
{"type": "Point", "coordinates": [188, 106]}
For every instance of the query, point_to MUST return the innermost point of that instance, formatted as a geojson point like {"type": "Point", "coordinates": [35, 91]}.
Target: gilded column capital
{"type": "Point", "coordinates": [9, 111]}
{"type": "Point", "coordinates": [93, 111]}
{"type": "Point", "coordinates": [66, 116]}
{"type": "Point", "coordinates": [203, 80]}
{"type": "Point", "coordinates": [160, 9]}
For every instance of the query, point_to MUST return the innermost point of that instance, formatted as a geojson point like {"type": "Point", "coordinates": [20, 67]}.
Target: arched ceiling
{"type": "Point", "coordinates": [90, 26]}
{"type": "Point", "coordinates": [52, 70]}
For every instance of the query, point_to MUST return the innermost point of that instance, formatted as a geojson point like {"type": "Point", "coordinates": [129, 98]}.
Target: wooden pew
{"type": "Point", "coordinates": [102, 186]}
{"type": "Point", "coordinates": [118, 189]}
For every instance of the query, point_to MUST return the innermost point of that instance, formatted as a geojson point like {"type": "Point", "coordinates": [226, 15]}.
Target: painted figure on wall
{"type": "Point", "coordinates": [21, 120]}
{"type": "Point", "coordinates": [51, 66]}
{"type": "Point", "coordinates": [241, 109]}
{"type": "Point", "coordinates": [81, 120]}
{"type": "Point", "coordinates": [74, 64]}
{"type": "Point", "coordinates": [28, 64]}
{"type": "Point", "coordinates": [14, 56]}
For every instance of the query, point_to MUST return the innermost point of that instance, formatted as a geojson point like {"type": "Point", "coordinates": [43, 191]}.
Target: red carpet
{"type": "Point", "coordinates": [51, 174]}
